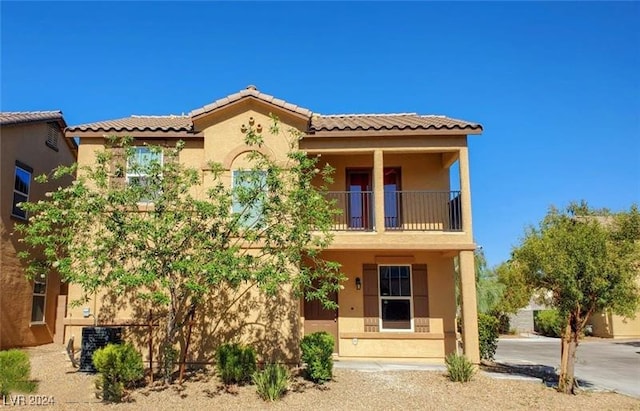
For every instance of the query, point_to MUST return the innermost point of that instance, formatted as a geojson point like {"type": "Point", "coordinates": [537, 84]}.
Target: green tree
{"type": "Point", "coordinates": [488, 289]}
{"type": "Point", "coordinates": [161, 239]}
{"type": "Point", "coordinates": [584, 263]}
{"type": "Point", "coordinates": [517, 291]}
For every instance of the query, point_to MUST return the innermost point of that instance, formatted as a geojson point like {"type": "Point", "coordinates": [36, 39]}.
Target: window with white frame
{"type": "Point", "coordinates": [248, 189]}
{"type": "Point", "coordinates": [139, 167]}
{"type": "Point", "coordinates": [21, 187]}
{"type": "Point", "coordinates": [395, 297]}
{"type": "Point", "coordinates": [39, 299]}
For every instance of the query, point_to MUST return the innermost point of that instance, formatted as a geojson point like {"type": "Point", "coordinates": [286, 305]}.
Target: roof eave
{"type": "Point", "coordinates": [395, 132]}
{"type": "Point", "coordinates": [102, 133]}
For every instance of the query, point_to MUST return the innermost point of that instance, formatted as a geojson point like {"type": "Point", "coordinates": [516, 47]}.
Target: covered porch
{"type": "Point", "coordinates": [399, 305]}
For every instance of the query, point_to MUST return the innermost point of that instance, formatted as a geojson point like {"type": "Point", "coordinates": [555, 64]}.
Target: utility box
{"type": "Point", "coordinates": [94, 338]}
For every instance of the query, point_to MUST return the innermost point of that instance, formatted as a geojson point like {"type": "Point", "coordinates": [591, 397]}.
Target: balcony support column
{"type": "Point", "coordinates": [469, 308]}
{"type": "Point", "coordinates": [465, 191]}
{"type": "Point", "coordinates": [378, 190]}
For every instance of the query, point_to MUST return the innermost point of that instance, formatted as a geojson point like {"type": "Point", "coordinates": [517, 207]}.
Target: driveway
{"type": "Point", "coordinates": [601, 364]}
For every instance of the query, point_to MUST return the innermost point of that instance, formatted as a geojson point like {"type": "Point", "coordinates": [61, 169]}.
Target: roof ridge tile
{"type": "Point", "coordinates": [365, 115]}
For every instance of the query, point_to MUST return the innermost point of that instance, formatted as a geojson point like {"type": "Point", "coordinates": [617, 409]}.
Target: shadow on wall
{"type": "Point", "coordinates": [270, 325]}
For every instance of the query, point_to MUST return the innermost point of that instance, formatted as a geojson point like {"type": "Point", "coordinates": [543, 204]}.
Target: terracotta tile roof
{"type": "Point", "coordinates": [139, 123]}
{"type": "Point", "coordinates": [250, 91]}
{"type": "Point", "coordinates": [400, 121]}
{"type": "Point", "coordinates": [16, 117]}
{"type": "Point", "coordinates": [318, 122]}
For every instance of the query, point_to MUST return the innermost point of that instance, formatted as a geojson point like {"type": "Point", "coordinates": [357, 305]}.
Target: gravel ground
{"type": "Point", "coordinates": [350, 390]}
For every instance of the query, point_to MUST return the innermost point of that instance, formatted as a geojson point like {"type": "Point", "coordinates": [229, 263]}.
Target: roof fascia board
{"type": "Point", "coordinates": [134, 134]}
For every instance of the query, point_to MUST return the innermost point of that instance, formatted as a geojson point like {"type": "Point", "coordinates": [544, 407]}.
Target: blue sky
{"type": "Point", "coordinates": [556, 85]}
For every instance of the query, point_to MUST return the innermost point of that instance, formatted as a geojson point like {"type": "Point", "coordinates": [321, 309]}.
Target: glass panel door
{"type": "Point", "coordinates": [359, 199]}
{"type": "Point", "coordinates": [392, 198]}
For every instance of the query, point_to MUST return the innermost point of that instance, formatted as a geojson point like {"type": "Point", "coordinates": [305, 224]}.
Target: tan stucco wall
{"type": "Point", "coordinates": [424, 167]}
{"type": "Point", "coordinates": [271, 325]}
{"type": "Point", "coordinates": [420, 171]}
{"type": "Point", "coordinates": [25, 143]}
{"type": "Point", "coordinates": [441, 307]}
{"type": "Point", "coordinates": [608, 325]}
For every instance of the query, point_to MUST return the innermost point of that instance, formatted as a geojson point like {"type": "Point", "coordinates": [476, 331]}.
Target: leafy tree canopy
{"type": "Point", "coordinates": [584, 261]}
{"type": "Point", "coordinates": [139, 221]}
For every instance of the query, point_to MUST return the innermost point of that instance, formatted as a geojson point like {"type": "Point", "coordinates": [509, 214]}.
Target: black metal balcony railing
{"type": "Point", "coordinates": [357, 210]}
{"type": "Point", "coordinates": [403, 210]}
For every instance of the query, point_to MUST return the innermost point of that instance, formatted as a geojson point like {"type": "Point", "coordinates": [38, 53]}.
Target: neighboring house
{"type": "Point", "coordinates": [31, 143]}
{"type": "Point", "coordinates": [608, 325]}
{"type": "Point", "coordinates": [401, 228]}
{"type": "Point", "coordinates": [522, 321]}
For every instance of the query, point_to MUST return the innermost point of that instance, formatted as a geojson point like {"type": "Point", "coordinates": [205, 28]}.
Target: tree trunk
{"type": "Point", "coordinates": [168, 347]}
{"type": "Point", "coordinates": [566, 380]}
{"type": "Point", "coordinates": [183, 358]}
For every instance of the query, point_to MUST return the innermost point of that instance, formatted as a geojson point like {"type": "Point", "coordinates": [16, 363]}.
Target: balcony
{"type": "Point", "coordinates": [403, 211]}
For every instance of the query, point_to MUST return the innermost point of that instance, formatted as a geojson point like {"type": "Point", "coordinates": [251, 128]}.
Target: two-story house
{"type": "Point", "coordinates": [401, 227]}
{"type": "Point", "coordinates": [31, 143]}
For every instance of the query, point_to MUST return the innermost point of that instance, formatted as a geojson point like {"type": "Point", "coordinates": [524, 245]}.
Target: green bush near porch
{"type": "Point", "coordinates": [317, 353]}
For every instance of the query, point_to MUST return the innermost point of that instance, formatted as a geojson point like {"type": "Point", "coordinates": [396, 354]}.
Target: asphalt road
{"type": "Point", "coordinates": [601, 364]}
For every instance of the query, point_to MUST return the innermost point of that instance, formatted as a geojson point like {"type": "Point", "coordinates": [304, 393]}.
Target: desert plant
{"type": "Point", "coordinates": [15, 371]}
{"type": "Point", "coordinates": [459, 368]}
{"type": "Point", "coordinates": [488, 327]}
{"type": "Point", "coordinates": [317, 353]}
{"type": "Point", "coordinates": [548, 322]}
{"type": "Point", "coordinates": [272, 382]}
{"type": "Point", "coordinates": [119, 366]}
{"type": "Point", "coordinates": [236, 364]}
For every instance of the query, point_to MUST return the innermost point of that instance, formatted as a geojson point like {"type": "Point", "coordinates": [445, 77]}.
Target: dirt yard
{"type": "Point", "coordinates": [351, 390]}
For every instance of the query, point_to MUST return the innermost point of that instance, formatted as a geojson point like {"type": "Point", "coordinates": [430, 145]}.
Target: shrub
{"type": "Point", "coordinates": [548, 322]}
{"type": "Point", "coordinates": [504, 324]}
{"type": "Point", "coordinates": [272, 382]}
{"type": "Point", "coordinates": [488, 334]}
{"type": "Point", "coordinates": [459, 368]}
{"type": "Point", "coordinates": [236, 364]}
{"type": "Point", "coordinates": [317, 353]}
{"type": "Point", "coordinates": [119, 366]}
{"type": "Point", "coordinates": [15, 371]}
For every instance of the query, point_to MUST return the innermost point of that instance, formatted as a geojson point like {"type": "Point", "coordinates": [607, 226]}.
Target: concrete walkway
{"type": "Point", "coordinates": [376, 366]}
{"type": "Point", "coordinates": [382, 366]}
{"type": "Point", "coordinates": [601, 364]}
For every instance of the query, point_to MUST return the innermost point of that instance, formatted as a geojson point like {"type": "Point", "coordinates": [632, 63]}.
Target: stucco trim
{"type": "Point", "coordinates": [393, 336]}
{"type": "Point", "coordinates": [241, 149]}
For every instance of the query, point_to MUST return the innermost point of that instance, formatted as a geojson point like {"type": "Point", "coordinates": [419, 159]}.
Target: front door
{"type": "Point", "coordinates": [318, 318]}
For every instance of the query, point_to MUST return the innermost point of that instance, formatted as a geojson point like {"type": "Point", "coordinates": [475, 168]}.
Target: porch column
{"type": "Point", "coordinates": [469, 308]}
{"type": "Point", "coordinates": [378, 190]}
{"type": "Point", "coordinates": [465, 190]}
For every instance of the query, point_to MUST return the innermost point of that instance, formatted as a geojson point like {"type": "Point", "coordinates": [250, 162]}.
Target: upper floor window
{"type": "Point", "coordinates": [52, 136]}
{"type": "Point", "coordinates": [39, 299]}
{"type": "Point", "coordinates": [248, 189]}
{"type": "Point", "coordinates": [21, 188]}
{"type": "Point", "coordinates": [140, 166]}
